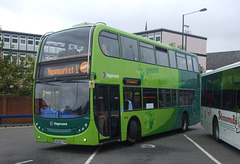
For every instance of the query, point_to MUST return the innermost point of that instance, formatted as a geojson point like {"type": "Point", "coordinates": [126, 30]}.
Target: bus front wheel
{"type": "Point", "coordinates": [132, 132]}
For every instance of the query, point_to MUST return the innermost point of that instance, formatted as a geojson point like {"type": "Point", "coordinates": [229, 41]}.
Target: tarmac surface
{"type": "Point", "coordinates": [18, 146]}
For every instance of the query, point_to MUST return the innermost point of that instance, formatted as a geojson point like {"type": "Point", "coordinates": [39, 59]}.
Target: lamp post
{"type": "Point", "coordinates": [203, 9]}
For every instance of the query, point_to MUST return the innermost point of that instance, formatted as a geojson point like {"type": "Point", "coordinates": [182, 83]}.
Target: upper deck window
{"type": "Point", "coordinates": [162, 57]}
{"type": "Point", "coordinates": [195, 65]}
{"type": "Point", "coordinates": [181, 60]}
{"type": "Point", "coordinates": [172, 57]}
{"type": "Point", "coordinates": [109, 44]}
{"type": "Point", "coordinates": [65, 44]}
{"type": "Point", "coordinates": [147, 53]}
{"type": "Point", "coordinates": [189, 63]}
{"type": "Point", "coordinates": [129, 48]}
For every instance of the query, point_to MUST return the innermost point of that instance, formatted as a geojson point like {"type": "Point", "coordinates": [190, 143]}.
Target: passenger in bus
{"type": "Point", "coordinates": [128, 105]}
{"type": "Point", "coordinates": [105, 49]}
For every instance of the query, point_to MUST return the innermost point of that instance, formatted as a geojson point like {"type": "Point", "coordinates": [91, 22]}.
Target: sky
{"type": "Point", "coordinates": [220, 24]}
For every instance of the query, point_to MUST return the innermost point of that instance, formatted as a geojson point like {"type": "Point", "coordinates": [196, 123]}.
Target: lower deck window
{"type": "Point", "coordinates": [149, 98]}
{"type": "Point", "coordinates": [164, 98]}
{"type": "Point", "coordinates": [132, 98]}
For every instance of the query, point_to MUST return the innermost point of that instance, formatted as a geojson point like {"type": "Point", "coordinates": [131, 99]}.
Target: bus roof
{"type": "Point", "coordinates": [227, 67]}
{"type": "Point", "coordinates": [147, 40]}
{"type": "Point", "coordinates": [104, 26]}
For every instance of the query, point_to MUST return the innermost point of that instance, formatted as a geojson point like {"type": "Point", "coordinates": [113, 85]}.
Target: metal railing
{"type": "Point", "coordinates": [14, 116]}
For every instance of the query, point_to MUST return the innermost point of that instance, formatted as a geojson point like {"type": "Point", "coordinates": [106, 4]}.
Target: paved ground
{"type": "Point", "coordinates": [17, 145]}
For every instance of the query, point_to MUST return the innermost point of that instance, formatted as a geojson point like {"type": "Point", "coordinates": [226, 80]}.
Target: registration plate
{"type": "Point", "coordinates": [57, 141]}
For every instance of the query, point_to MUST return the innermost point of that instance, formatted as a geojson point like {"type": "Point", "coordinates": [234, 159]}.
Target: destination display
{"type": "Point", "coordinates": [64, 69]}
{"type": "Point", "coordinates": [131, 81]}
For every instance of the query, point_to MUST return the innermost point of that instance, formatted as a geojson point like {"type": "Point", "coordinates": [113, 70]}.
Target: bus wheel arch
{"type": "Point", "coordinates": [133, 130]}
{"type": "Point", "coordinates": [215, 129]}
{"type": "Point", "coordinates": [185, 122]}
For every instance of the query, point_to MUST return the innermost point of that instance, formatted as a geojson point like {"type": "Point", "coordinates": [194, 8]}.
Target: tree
{"type": "Point", "coordinates": [16, 74]}
{"type": "Point", "coordinates": [173, 44]}
{"type": "Point", "coordinates": [202, 70]}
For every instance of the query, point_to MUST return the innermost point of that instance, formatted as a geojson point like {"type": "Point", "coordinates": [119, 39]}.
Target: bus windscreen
{"type": "Point", "coordinates": [65, 44]}
{"type": "Point", "coordinates": [62, 99]}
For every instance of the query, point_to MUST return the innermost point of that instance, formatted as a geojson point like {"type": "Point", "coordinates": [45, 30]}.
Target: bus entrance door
{"type": "Point", "coordinates": [107, 112]}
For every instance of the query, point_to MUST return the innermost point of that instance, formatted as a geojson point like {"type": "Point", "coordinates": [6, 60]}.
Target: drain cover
{"type": "Point", "coordinates": [147, 146]}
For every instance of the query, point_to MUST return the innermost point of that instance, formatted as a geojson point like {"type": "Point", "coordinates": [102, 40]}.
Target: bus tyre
{"type": "Point", "coordinates": [216, 130]}
{"type": "Point", "coordinates": [184, 127]}
{"type": "Point", "coordinates": [132, 132]}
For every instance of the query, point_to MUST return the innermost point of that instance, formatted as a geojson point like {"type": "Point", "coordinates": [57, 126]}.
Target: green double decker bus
{"type": "Point", "coordinates": [95, 84]}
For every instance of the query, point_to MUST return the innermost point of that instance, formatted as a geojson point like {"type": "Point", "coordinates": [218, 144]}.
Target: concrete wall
{"type": "Point", "coordinates": [15, 105]}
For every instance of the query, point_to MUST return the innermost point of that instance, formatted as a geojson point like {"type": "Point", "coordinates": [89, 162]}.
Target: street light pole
{"type": "Point", "coordinates": [203, 9]}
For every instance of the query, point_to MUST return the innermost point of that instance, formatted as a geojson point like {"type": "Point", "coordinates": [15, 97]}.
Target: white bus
{"type": "Point", "coordinates": [220, 104]}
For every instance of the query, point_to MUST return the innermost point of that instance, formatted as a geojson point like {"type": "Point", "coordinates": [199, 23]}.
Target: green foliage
{"type": "Point", "coordinates": [202, 70]}
{"type": "Point", "coordinates": [173, 44]}
{"type": "Point", "coordinates": [16, 74]}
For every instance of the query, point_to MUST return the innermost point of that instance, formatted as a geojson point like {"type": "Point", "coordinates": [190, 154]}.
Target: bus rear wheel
{"type": "Point", "coordinates": [184, 127]}
{"type": "Point", "coordinates": [132, 132]}
{"type": "Point", "coordinates": [216, 130]}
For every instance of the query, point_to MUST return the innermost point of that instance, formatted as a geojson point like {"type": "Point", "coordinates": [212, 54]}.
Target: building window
{"type": "Point", "coordinates": [149, 98]}
{"type": "Point", "coordinates": [147, 53]}
{"type": "Point", "coordinates": [181, 61]}
{"type": "Point", "coordinates": [23, 40]}
{"type": "Point", "coordinates": [162, 57]}
{"type": "Point", "coordinates": [132, 98]}
{"type": "Point", "coordinates": [158, 36]}
{"type": "Point", "coordinates": [109, 44]}
{"type": "Point", "coordinates": [144, 35]}
{"type": "Point", "coordinates": [129, 48]}
{"type": "Point", "coordinates": [15, 39]}
{"type": "Point", "coordinates": [151, 36]}
{"type": "Point", "coordinates": [172, 57]}
{"type": "Point", "coordinates": [30, 40]}
{"type": "Point", "coordinates": [37, 40]}
{"type": "Point", "coordinates": [6, 38]}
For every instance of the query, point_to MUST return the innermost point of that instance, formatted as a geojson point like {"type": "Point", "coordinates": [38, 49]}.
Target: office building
{"type": "Point", "coordinates": [21, 43]}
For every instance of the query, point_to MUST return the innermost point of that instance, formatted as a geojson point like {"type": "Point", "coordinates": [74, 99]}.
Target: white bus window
{"type": "Point", "coordinates": [162, 57]}
{"type": "Point", "coordinates": [109, 44]}
{"type": "Point", "coordinates": [147, 53]}
{"type": "Point", "coordinates": [129, 48]}
{"type": "Point", "coordinates": [172, 57]}
{"type": "Point", "coordinates": [181, 61]}
{"type": "Point", "coordinates": [189, 63]}
{"type": "Point", "coordinates": [195, 65]}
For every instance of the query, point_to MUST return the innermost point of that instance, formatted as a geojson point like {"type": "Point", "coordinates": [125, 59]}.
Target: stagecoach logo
{"type": "Point", "coordinates": [103, 74]}
{"type": "Point", "coordinates": [58, 123]}
{"type": "Point", "coordinates": [108, 75]}
{"type": "Point", "coordinates": [234, 120]}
